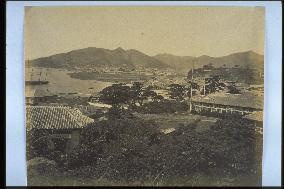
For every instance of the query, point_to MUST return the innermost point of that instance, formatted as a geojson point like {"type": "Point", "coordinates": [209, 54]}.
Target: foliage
{"type": "Point", "coordinates": [213, 84]}
{"type": "Point", "coordinates": [111, 143]}
{"type": "Point", "coordinates": [233, 89]}
{"type": "Point", "coordinates": [122, 94]}
{"type": "Point", "coordinates": [158, 98]}
{"type": "Point", "coordinates": [235, 144]}
{"type": "Point", "coordinates": [118, 112]}
{"type": "Point", "coordinates": [41, 166]}
{"type": "Point", "coordinates": [137, 93]}
{"type": "Point", "coordinates": [131, 150]}
{"type": "Point", "coordinates": [177, 92]}
{"type": "Point", "coordinates": [38, 143]}
{"type": "Point", "coordinates": [194, 86]}
{"type": "Point", "coordinates": [115, 94]}
{"type": "Point", "coordinates": [163, 106]}
{"type": "Point", "coordinates": [208, 66]}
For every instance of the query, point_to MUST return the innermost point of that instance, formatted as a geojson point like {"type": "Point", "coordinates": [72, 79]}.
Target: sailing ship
{"type": "Point", "coordinates": [36, 82]}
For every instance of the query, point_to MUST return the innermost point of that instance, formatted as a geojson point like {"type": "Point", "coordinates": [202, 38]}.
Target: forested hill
{"type": "Point", "coordinates": [93, 56]}
{"type": "Point", "coordinates": [132, 58]}
{"type": "Point", "coordinates": [247, 59]}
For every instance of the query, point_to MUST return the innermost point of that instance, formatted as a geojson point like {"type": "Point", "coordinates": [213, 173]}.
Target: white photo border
{"type": "Point", "coordinates": [16, 174]}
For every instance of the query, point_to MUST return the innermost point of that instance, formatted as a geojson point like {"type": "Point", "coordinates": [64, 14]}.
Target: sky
{"type": "Point", "coordinates": [182, 31]}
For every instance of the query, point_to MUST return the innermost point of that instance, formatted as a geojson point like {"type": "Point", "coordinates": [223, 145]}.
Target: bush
{"type": "Point", "coordinates": [118, 112]}
{"type": "Point", "coordinates": [165, 106]}
{"type": "Point", "coordinates": [38, 144]}
{"type": "Point", "coordinates": [41, 166]}
{"type": "Point", "coordinates": [235, 140]}
{"type": "Point", "coordinates": [131, 150]}
{"type": "Point", "coordinates": [116, 144]}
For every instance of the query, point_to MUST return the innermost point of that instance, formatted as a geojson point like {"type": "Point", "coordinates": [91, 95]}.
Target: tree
{"type": "Point", "coordinates": [233, 89]}
{"type": "Point", "coordinates": [233, 144]}
{"type": "Point", "coordinates": [39, 143]}
{"type": "Point", "coordinates": [136, 93]}
{"type": "Point", "coordinates": [115, 94]}
{"type": "Point", "coordinates": [139, 94]}
{"type": "Point", "coordinates": [116, 147]}
{"type": "Point", "coordinates": [148, 93]}
{"type": "Point", "coordinates": [193, 86]}
{"type": "Point", "coordinates": [213, 84]}
{"type": "Point", "coordinates": [208, 66]}
{"type": "Point", "coordinates": [158, 98]}
{"type": "Point", "coordinates": [177, 91]}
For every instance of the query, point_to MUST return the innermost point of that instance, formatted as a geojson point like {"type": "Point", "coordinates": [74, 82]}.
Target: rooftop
{"type": "Point", "coordinates": [100, 105]}
{"type": "Point", "coordinates": [55, 117]}
{"type": "Point", "coordinates": [255, 116]}
{"type": "Point", "coordinates": [247, 99]}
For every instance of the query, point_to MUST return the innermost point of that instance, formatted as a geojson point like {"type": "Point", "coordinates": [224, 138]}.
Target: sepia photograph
{"type": "Point", "coordinates": [144, 95]}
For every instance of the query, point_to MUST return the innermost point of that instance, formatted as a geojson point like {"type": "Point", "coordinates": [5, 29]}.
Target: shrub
{"type": "Point", "coordinates": [132, 150]}
{"type": "Point", "coordinates": [164, 106]}
{"type": "Point", "coordinates": [38, 144]}
{"type": "Point", "coordinates": [40, 166]}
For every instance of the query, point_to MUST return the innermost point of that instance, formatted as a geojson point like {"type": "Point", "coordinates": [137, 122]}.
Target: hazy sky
{"type": "Point", "coordinates": [193, 31]}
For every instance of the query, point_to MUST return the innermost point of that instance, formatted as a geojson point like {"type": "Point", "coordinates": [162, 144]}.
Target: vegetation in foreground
{"type": "Point", "coordinates": [125, 150]}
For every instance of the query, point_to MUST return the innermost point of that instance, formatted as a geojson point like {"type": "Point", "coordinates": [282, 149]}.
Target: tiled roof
{"type": "Point", "coordinates": [242, 100]}
{"type": "Point", "coordinates": [55, 117]}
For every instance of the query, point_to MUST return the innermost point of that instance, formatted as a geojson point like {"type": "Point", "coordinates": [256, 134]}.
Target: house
{"type": "Point", "coordinates": [256, 87]}
{"type": "Point", "coordinates": [100, 107]}
{"type": "Point", "coordinates": [94, 98]}
{"type": "Point", "coordinates": [63, 124]}
{"type": "Point", "coordinates": [163, 93]}
{"type": "Point", "coordinates": [224, 103]}
{"type": "Point", "coordinates": [256, 118]}
{"type": "Point", "coordinates": [38, 95]}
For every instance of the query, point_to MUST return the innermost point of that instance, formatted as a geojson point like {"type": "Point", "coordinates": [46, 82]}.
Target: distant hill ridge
{"type": "Point", "coordinates": [132, 58]}
{"type": "Point", "coordinates": [99, 57]}
{"type": "Point", "coordinates": [248, 59]}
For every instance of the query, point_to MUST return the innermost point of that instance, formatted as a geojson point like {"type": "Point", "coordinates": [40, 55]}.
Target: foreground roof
{"type": "Point", "coordinates": [55, 117]}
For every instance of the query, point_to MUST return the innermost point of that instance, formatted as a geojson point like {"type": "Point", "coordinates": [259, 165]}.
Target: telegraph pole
{"type": "Point", "coordinates": [204, 85]}
{"type": "Point", "coordinates": [191, 80]}
{"type": "Point", "coordinates": [191, 93]}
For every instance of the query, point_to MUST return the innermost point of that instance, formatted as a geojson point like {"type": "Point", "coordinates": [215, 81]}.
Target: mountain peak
{"type": "Point", "coordinates": [119, 49]}
{"type": "Point", "coordinates": [100, 57]}
{"type": "Point", "coordinates": [204, 56]}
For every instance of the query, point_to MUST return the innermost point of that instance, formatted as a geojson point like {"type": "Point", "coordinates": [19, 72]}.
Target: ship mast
{"type": "Point", "coordinates": [204, 85]}
{"type": "Point", "coordinates": [31, 71]}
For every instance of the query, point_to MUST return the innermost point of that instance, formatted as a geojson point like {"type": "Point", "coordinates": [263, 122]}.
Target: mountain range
{"type": "Point", "coordinates": [132, 58]}
{"type": "Point", "coordinates": [248, 59]}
